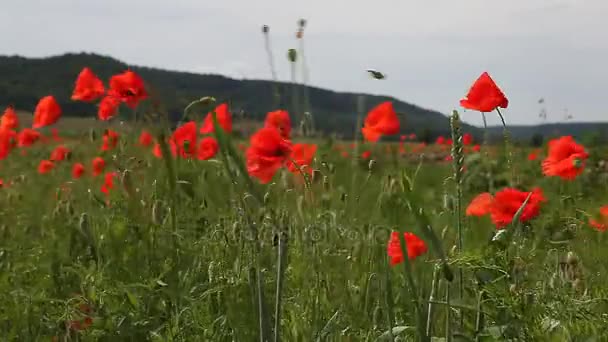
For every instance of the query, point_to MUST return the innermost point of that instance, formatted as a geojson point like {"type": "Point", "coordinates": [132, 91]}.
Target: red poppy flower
{"type": "Point", "coordinates": [7, 142]}
{"type": "Point", "coordinates": [27, 137]}
{"type": "Point", "coordinates": [207, 148]}
{"type": "Point", "coordinates": [224, 119]}
{"type": "Point", "coordinates": [110, 140]}
{"type": "Point", "coordinates": [415, 247]}
{"type": "Point", "coordinates": [533, 156]}
{"type": "Point", "coordinates": [266, 153]}
{"type": "Point", "coordinates": [108, 183]}
{"type": "Point", "coordinates": [108, 107]}
{"type": "Point", "coordinates": [480, 205]}
{"type": "Point", "coordinates": [448, 158]}
{"type": "Point", "coordinates": [565, 159]}
{"type": "Point", "coordinates": [128, 87]}
{"type": "Point", "coordinates": [55, 135]}
{"type": "Point", "coordinates": [467, 139]}
{"type": "Point", "coordinates": [302, 155]}
{"type": "Point", "coordinates": [449, 142]}
{"type": "Point", "coordinates": [98, 166]}
{"type": "Point", "coordinates": [1, 183]}
{"type": "Point", "coordinates": [145, 139]}
{"type": "Point", "coordinates": [476, 148]}
{"type": "Point", "coordinates": [507, 201]}
{"type": "Point", "coordinates": [345, 154]}
{"type": "Point", "coordinates": [403, 137]}
{"type": "Point", "coordinates": [47, 112]}
{"type": "Point", "coordinates": [9, 119]}
{"type": "Point", "coordinates": [366, 154]}
{"type": "Point", "coordinates": [440, 140]}
{"type": "Point", "coordinates": [156, 151]}
{"type": "Point", "coordinates": [88, 87]}
{"type": "Point", "coordinates": [413, 136]}
{"type": "Point", "coordinates": [381, 120]}
{"type": "Point", "coordinates": [45, 166]}
{"type": "Point", "coordinates": [601, 222]}
{"type": "Point", "coordinates": [279, 120]}
{"type": "Point", "coordinates": [59, 153]}
{"type": "Point", "coordinates": [484, 96]}
{"type": "Point", "coordinates": [77, 170]}
{"type": "Point", "coordinates": [185, 138]}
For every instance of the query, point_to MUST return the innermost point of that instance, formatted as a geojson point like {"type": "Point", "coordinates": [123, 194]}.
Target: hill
{"type": "Point", "coordinates": [25, 80]}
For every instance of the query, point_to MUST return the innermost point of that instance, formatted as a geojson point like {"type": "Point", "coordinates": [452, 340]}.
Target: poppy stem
{"type": "Point", "coordinates": [507, 139]}
{"type": "Point", "coordinates": [281, 258]}
{"type": "Point", "coordinates": [389, 301]}
{"type": "Point", "coordinates": [430, 311]}
{"type": "Point", "coordinates": [276, 94]}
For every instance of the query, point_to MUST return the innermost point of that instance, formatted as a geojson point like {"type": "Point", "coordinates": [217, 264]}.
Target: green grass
{"type": "Point", "coordinates": [145, 277]}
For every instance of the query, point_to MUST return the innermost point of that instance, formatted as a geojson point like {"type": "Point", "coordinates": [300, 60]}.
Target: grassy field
{"type": "Point", "coordinates": [189, 250]}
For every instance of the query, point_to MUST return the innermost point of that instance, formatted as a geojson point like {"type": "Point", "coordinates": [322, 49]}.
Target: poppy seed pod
{"type": "Point", "coordinates": [292, 55]}
{"type": "Point", "coordinates": [265, 29]}
{"type": "Point", "coordinates": [302, 23]}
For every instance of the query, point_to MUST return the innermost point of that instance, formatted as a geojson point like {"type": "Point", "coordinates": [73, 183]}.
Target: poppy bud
{"type": "Point", "coordinates": [267, 198]}
{"type": "Point", "coordinates": [292, 55]}
{"type": "Point", "coordinates": [265, 29]}
{"type": "Point", "coordinates": [572, 259]}
{"type": "Point", "coordinates": [302, 23]}
{"type": "Point", "coordinates": [92, 135]}
{"type": "Point", "coordinates": [370, 165]}
{"type": "Point", "coordinates": [343, 197]}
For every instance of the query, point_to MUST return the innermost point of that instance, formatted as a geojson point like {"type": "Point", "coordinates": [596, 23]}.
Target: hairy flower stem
{"type": "Point", "coordinates": [407, 267]}
{"type": "Point", "coordinates": [307, 107]}
{"type": "Point", "coordinates": [390, 303]}
{"type": "Point", "coordinates": [507, 140]}
{"type": "Point", "coordinates": [430, 310]}
{"type": "Point", "coordinates": [458, 165]}
{"type": "Point", "coordinates": [479, 316]}
{"type": "Point", "coordinates": [294, 95]}
{"type": "Point", "coordinates": [276, 94]}
{"type": "Point", "coordinates": [486, 153]}
{"type": "Point", "coordinates": [281, 258]}
{"type": "Point", "coordinates": [448, 314]}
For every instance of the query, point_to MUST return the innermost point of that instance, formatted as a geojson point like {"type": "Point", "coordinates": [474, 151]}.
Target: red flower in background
{"type": "Point", "coordinates": [601, 222]}
{"type": "Point", "coordinates": [7, 142]}
{"type": "Point", "coordinates": [565, 159]}
{"type": "Point", "coordinates": [476, 148]}
{"type": "Point", "coordinates": [533, 156]}
{"type": "Point", "coordinates": [366, 154]}
{"type": "Point", "coordinates": [77, 170]}
{"type": "Point", "coordinates": [415, 247]}
{"type": "Point", "coordinates": [484, 95]}
{"type": "Point", "coordinates": [467, 139]}
{"type": "Point", "coordinates": [98, 166]}
{"type": "Point", "coordinates": [381, 120]}
{"type": "Point", "coordinates": [47, 112]}
{"type": "Point", "coordinates": [27, 137]}
{"type": "Point", "coordinates": [507, 201]}
{"type": "Point", "coordinates": [413, 136]}
{"type": "Point", "coordinates": [449, 142]}
{"type": "Point", "coordinates": [88, 87]}
{"type": "Point", "coordinates": [185, 138]}
{"type": "Point", "coordinates": [266, 154]}
{"type": "Point", "coordinates": [279, 119]}
{"type": "Point", "coordinates": [224, 119]}
{"type": "Point", "coordinates": [9, 119]}
{"type": "Point", "coordinates": [59, 153]}
{"type": "Point", "coordinates": [207, 148]}
{"type": "Point", "coordinates": [108, 183]}
{"type": "Point", "coordinates": [440, 140]}
{"type": "Point", "coordinates": [55, 135]}
{"type": "Point", "coordinates": [480, 205]}
{"type": "Point", "coordinates": [145, 139]}
{"type": "Point", "coordinates": [110, 140]}
{"type": "Point", "coordinates": [108, 107]}
{"type": "Point", "coordinates": [302, 155]}
{"type": "Point", "coordinates": [403, 137]}
{"type": "Point", "coordinates": [45, 166]}
{"type": "Point", "coordinates": [128, 87]}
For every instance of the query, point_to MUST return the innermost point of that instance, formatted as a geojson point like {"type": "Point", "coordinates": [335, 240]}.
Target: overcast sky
{"type": "Point", "coordinates": [431, 50]}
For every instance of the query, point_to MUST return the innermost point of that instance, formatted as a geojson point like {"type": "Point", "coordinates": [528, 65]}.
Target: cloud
{"type": "Point", "coordinates": [431, 50]}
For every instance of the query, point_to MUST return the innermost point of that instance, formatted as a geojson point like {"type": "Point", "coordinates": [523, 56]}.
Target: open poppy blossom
{"type": "Point", "coordinates": [88, 86]}
{"type": "Point", "coordinates": [280, 121]}
{"type": "Point", "coordinates": [60, 153]}
{"type": "Point", "coordinates": [440, 140]}
{"type": "Point", "coordinates": [224, 119]}
{"type": "Point", "coordinates": [467, 139]}
{"type": "Point", "coordinates": [47, 112]}
{"type": "Point", "coordinates": [207, 148]}
{"type": "Point", "coordinates": [381, 120]}
{"type": "Point", "coordinates": [128, 87]}
{"type": "Point", "coordinates": [600, 222]}
{"type": "Point", "coordinates": [302, 155]}
{"type": "Point", "coordinates": [266, 154]}
{"type": "Point", "coordinates": [9, 119]}
{"type": "Point", "coordinates": [413, 136]}
{"type": "Point", "coordinates": [484, 95]}
{"type": "Point", "coordinates": [508, 200]}
{"type": "Point", "coordinates": [8, 139]}
{"type": "Point", "coordinates": [78, 170]}
{"type": "Point", "coordinates": [108, 183]}
{"type": "Point", "coordinates": [476, 148]}
{"type": "Point", "coordinates": [108, 107]}
{"type": "Point", "coordinates": [45, 166]}
{"type": "Point", "coordinates": [366, 154]}
{"type": "Point", "coordinates": [185, 138]}
{"type": "Point", "coordinates": [110, 140]}
{"type": "Point", "coordinates": [565, 159]}
{"type": "Point", "coordinates": [415, 247]}
{"type": "Point", "coordinates": [27, 137]}
{"type": "Point", "coordinates": [98, 165]}
{"type": "Point", "coordinates": [145, 139]}
{"type": "Point", "coordinates": [480, 205]}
